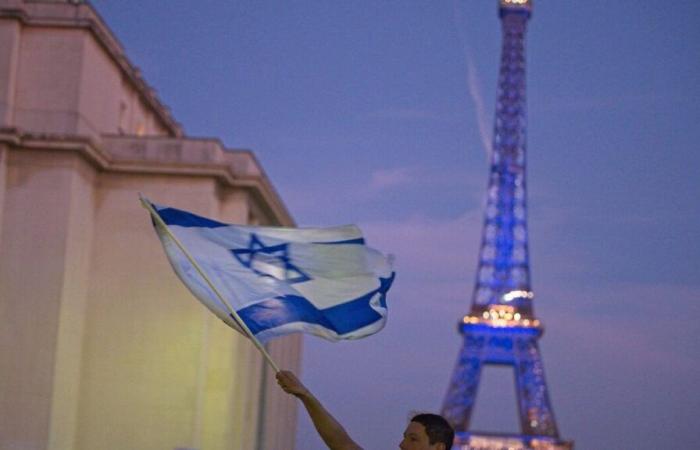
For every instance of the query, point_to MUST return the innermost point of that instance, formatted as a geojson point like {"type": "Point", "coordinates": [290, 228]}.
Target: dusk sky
{"type": "Point", "coordinates": [377, 113]}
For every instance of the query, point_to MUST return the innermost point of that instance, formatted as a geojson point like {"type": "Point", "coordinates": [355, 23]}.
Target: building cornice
{"type": "Point", "coordinates": [201, 157]}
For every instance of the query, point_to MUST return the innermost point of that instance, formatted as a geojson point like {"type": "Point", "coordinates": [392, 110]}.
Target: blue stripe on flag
{"type": "Point", "coordinates": [172, 216]}
{"type": "Point", "coordinates": [360, 241]}
{"type": "Point", "coordinates": [341, 319]}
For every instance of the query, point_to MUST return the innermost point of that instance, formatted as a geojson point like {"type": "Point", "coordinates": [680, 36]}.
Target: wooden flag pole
{"type": "Point", "coordinates": [147, 204]}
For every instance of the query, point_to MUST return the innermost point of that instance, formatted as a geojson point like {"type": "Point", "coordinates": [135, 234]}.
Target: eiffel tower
{"type": "Point", "coordinates": [501, 327]}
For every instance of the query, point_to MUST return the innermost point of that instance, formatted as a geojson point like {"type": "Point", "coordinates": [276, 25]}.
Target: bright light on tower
{"type": "Point", "coordinates": [517, 4]}
{"type": "Point", "coordinates": [512, 295]}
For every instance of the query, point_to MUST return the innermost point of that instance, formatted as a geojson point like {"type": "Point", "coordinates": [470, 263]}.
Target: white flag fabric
{"type": "Point", "coordinates": [323, 281]}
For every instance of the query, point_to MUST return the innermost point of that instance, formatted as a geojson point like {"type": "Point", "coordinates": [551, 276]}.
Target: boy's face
{"type": "Point", "coordinates": [415, 438]}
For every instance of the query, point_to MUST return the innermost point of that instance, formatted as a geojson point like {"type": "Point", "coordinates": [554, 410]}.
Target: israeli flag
{"type": "Point", "coordinates": [323, 281]}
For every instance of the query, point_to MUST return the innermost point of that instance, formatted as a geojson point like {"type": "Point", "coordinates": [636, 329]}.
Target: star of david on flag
{"type": "Point", "coordinates": [275, 254]}
{"type": "Point", "coordinates": [322, 281]}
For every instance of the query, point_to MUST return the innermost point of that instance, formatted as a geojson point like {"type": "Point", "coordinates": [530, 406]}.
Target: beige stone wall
{"type": "Point", "coordinates": [9, 51]}
{"type": "Point", "coordinates": [62, 72]}
{"type": "Point", "coordinates": [102, 347]}
{"type": "Point", "coordinates": [107, 349]}
{"type": "Point", "coordinates": [68, 85]}
{"type": "Point", "coordinates": [48, 81]}
{"type": "Point", "coordinates": [280, 409]}
{"type": "Point", "coordinates": [3, 172]}
{"type": "Point", "coordinates": [42, 281]}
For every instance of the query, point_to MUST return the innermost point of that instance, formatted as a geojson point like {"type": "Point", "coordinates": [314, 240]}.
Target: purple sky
{"type": "Point", "coordinates": [375, 112]}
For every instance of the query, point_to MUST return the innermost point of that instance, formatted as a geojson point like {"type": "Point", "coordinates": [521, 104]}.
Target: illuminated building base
{"type": "Point", "coordinates": [495, 441]}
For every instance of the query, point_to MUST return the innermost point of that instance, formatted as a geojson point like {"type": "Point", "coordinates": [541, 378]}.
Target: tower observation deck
{"type": "Point", "coordinates": [501, 327]}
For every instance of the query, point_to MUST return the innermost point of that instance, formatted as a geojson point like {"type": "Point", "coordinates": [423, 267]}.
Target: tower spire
{"type": "Point", "coordinates": [501, 328]}
{"type": "Point", "coordinates": [503, 277]}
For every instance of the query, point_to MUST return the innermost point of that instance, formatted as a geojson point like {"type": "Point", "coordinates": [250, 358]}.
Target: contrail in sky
{"type": "Point", "coordinates": [473, 84]}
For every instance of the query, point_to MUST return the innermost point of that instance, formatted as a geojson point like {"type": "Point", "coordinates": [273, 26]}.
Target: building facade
{"type": "Point", "coordinates": [101, 346]}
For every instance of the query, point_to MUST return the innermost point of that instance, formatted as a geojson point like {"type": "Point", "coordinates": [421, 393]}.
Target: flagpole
{"type": "Point", "coordinates": [147, 204]}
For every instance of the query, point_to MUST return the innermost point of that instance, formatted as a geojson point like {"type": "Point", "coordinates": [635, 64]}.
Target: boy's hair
{"type": "Point", "coordinates": [437, 428]}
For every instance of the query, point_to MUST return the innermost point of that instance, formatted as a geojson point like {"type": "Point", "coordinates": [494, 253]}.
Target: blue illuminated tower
{"type": "Point", "coordinates": [501, 327]}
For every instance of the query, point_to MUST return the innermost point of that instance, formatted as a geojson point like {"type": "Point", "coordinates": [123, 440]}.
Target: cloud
{"type": "Point", "coordinates": [388, 178]}
{"type": "Point", "coordinates": [363, 192]}
{"type": "Point", "coordinates": [429, 248]}
{"type": "Point", "coordinates": [473, 83]}
{"type": "Point", "coordinates": [395, 178]}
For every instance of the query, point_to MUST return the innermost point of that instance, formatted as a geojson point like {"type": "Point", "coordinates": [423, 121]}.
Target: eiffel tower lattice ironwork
{"type": "Point", "coordinates": [501, 327]}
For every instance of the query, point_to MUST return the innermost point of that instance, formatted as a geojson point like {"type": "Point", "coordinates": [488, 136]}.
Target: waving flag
{"type": "Point", "coordinates": [323, 281]}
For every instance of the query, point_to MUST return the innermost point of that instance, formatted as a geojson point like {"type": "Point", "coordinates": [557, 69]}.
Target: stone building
{"type": "Point", "coordinates": [101, 346]}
